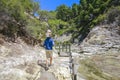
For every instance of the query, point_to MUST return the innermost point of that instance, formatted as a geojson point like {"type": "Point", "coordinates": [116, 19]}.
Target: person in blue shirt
{"type": "Point", "coordinates": [48, 44]}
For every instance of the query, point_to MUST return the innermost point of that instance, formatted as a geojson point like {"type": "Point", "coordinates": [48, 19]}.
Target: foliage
{"type": "Point", "coordinates": [18, 17]}
{"type": "Point", "coordinates": [74, 10]}
{"type": "Point", "coordinates": [86, 15]}
{"type": "Point", "coordinates": [16, 8]}
{"type": "Point", "coordinates": [113, 14]}
{"type": "Point", "coordinates": [63, 13]}
{"type": "Point", "coordinates": [35, 7]}
{"type": "Point", "coordinates": [58, 26]}
{"type": "Point", "coordinates": [43, 15]}
{"type": "Point", "coordinates": [78, 19]}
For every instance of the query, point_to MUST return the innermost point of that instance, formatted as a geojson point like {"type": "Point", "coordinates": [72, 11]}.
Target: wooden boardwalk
{"type": "Point", "coordinates": [64, 50]}
{"type": "Point", "coordinates": [63, 60]}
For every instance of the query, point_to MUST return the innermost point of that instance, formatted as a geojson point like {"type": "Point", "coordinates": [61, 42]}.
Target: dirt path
{"type": "Point", "coordinates": [58, 71]}
{"type": "Point", "coordinates": [47, 76]}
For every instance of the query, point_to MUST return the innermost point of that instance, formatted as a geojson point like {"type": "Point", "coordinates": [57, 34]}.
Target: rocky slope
{"type": "Point", "coordinates": [101, 50]}
{"type": "Point", "coordinates": [102, 39]}
{"type": "Point", "coordinates": [19, 61]}
{"type": "Point", "coordinates": [99, 59]}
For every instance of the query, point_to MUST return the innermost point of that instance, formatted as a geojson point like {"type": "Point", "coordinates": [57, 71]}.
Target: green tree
{"type": "Point", "coordinates": [63, 13]}
{"type": "Point", "coordinates": [74, 10]}
{"type": "Point", "coordinates": [16, 11]}
{"type": "Point", "coordinates": [43, 15]}
{"type": "Point", "coordinates": [35, 7]}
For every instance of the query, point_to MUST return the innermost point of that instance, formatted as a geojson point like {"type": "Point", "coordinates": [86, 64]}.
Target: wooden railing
{"type": "Point", "coordinates": [64, 49]}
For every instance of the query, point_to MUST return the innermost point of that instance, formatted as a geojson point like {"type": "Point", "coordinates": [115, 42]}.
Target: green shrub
{"type": "Point", "coordinates": [113, 15]}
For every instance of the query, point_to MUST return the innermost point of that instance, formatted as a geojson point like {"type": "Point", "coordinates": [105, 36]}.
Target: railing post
{"type": "Point", "coordinates": [59, 48]}
{"type": "Point", "coordinates": [63, 47]}
{"type": "Point", "coordinates": [66, 47]}
{"type": "Point", "coordinates": [69, 48]}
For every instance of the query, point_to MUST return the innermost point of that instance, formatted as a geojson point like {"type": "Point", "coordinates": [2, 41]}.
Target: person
{"type": "Point", "coordinates": [48, 44]}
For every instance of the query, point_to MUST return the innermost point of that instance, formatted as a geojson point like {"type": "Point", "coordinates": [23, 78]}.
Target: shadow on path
{"type": "Point", "coordinates": [45, 75]}
{"type": "Point", "coordinates": [42, 64]}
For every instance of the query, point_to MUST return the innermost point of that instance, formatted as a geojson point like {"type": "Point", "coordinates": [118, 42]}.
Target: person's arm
{"type": "Point", "coordinates": [53, 43]}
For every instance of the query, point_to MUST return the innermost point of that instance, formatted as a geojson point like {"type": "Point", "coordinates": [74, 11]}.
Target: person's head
{"type": "Point", "coordinates": [49, 33]}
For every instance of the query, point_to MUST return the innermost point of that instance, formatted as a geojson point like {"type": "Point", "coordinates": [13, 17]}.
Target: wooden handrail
{"type": "Point", "coordinates": [63, 47]}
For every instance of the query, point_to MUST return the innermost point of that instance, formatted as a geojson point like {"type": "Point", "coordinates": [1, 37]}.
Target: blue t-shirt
{"type": "Point", "coordinates": [48, 43]}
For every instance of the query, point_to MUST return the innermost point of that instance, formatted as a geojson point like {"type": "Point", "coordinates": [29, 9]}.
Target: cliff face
{"type": "Point", "coordinates": [18, 61]}
{"type": "Point", "coordinates": [101, 49]}
{"type": "Point", "coordinates": [102, 39]}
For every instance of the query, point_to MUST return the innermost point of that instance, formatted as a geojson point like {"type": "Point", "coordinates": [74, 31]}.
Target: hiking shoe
{"type": "Point", "coordinates": [46, 68]}
{"type": "Point", "coordinates": [50, 65]}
